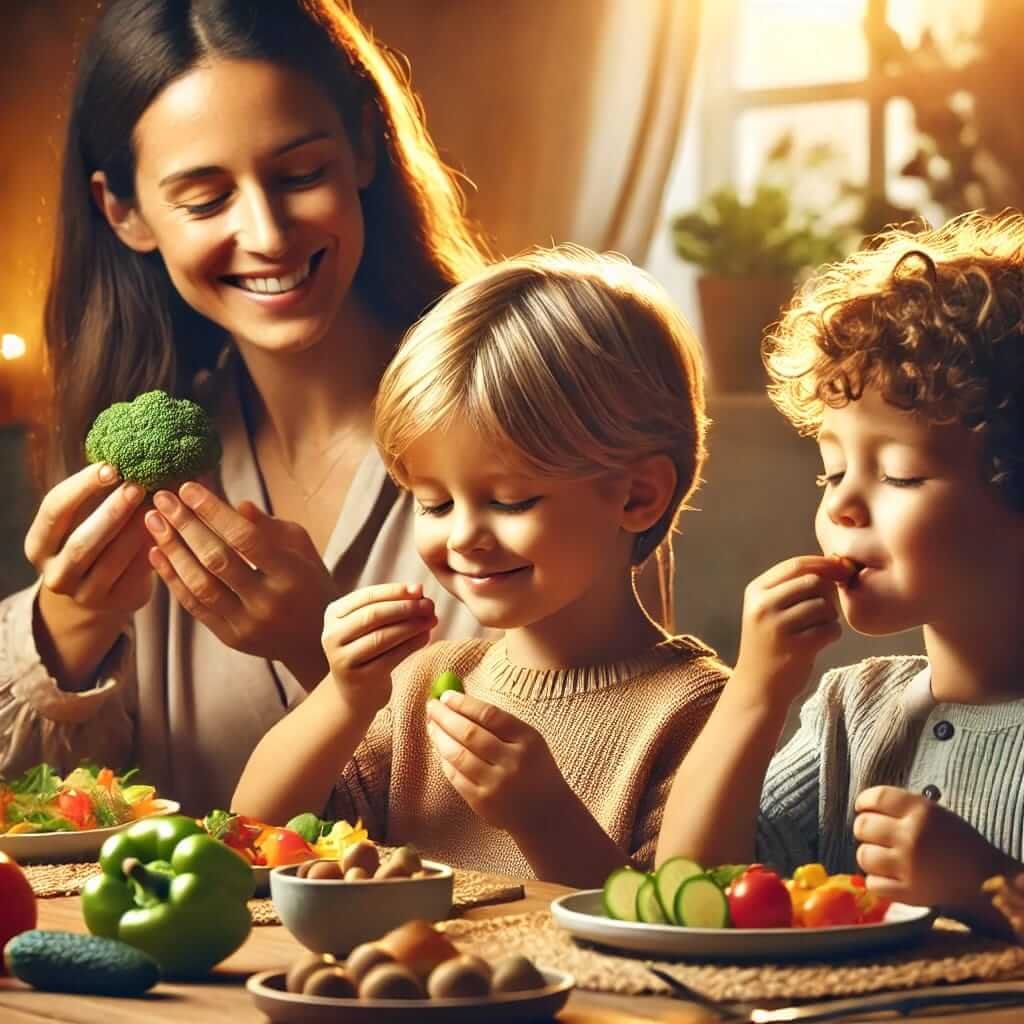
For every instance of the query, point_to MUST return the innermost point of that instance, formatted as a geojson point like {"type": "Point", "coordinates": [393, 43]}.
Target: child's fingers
{"type": "Point", "coordinates": [890, 800]}
{"type": "Point", "coordinates": [383, 647]}
{"type": "Point", "coordinates": [370, 595]}
{"type": "Point", "coordinates": [371, 618]}
{"type": "Point", "coordinates": [466, 788]}
{"type": "Point", "coordinates": [806, 587]}
{"type": "Point", "coordinates": [500, 723]}
{"type": "Point", "coordinates": [465, 731]}
{"type": "Point", "coordinates": [876, 829]}
{"type": "Point", "coordinates": [827, 567]}
{"type": "Point", "coordinates": [812, 612]}
{"type": "Point", "coordinates": [465, 760]}
{"type": "Point", "coordinates": [880, 862]}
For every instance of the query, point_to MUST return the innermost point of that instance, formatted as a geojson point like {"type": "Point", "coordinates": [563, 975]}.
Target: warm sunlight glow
{"type": "Point", "coordinates": [12, 346]}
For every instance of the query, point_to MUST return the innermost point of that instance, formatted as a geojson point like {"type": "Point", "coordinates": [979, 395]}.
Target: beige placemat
{"type": "Point", "coordinates": [470, 888]}
{"type": "Point", "coordinates": [948, 954]}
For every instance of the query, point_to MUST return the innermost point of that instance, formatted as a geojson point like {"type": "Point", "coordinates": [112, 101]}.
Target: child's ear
{"type": "Point", "coordinates": [122, 215]}
{"type": "Point", "coordinates": [652, 487]}
{"type": "Point", "coordinates": [364, 149]}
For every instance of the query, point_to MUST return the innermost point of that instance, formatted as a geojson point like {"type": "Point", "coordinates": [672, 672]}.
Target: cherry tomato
{"type": "Point", "coordinates": [760, 899]}
{"type": "Point", "coordinates": [830, 906]}
{"type": "Point", "coordinates": [874, 911]}
{"type": "Point", "coordinates": [17, 902]}
{"type": "Point", "coordinates": [76, 806]}
{"type": "Point", "coordinates": [283, 846]}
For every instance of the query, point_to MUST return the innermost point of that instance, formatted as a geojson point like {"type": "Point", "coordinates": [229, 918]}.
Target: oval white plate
{"type": "Point", "coordinates": [268, 992]}
{"type": "Point", "coordinates": [32, 847]}
{"type": "Point", "coordinates": [582, 915]}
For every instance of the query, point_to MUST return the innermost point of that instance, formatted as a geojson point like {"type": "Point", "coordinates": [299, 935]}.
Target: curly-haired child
{"type": "Point", "coordinates": [548, 417]}
{"type": "Point", "coordinates": [906, 362]}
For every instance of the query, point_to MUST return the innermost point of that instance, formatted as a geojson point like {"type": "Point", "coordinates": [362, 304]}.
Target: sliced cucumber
{"type": "Point", "coordinates": [648, 906]}
{"type": "Point", "coordinates": [619, 896]}
{"type": "Point", "coordinates": [701, 904]}
{"type": "Point", "coordinates": [669, 877]}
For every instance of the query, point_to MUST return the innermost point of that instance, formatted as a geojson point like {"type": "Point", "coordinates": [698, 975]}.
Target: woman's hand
{"type": "Point", "coordinates": [917, 851]}
{"type": "Point", "coordinates": [499, 765]}
{"type": "Point", "coordinates": [89, 546]}
{"type": "Point", "coordinates": [256, 582]}
{"type": "Point", "coordinates": [368, 632]}
{"type": "Point", "coordinates": [790, 613]}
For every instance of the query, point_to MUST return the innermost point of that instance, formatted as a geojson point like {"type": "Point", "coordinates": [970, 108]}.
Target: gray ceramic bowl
{"type": "Point", "coordinates": [329, 915]}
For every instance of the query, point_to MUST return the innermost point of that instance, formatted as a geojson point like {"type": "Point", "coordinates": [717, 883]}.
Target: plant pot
{"type": "Point", "coordinates": [735, 312]}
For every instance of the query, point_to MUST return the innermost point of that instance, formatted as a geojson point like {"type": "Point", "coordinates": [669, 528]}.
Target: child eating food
{"type": "Point", "coordinates": [906, 362]}
{"type": "Point", "coordinates": [548, 418]}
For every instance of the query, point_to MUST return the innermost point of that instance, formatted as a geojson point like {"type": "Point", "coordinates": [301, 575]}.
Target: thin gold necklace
{"type": "Point", "coordinates": [307, 495]}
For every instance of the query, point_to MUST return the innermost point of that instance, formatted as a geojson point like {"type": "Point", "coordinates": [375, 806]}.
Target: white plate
{"type": "Point", "coordinates": [32, 847]}
{"type": "Point", "coordinates": [268, 992]}
{"type": "Point", "coordinates": [582, 915]}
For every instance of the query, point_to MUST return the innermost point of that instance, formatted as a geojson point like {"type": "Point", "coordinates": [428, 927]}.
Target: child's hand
{"type": "Point", "coordinates": [500, 766]}
{"type": "Point", "coordinates": [790, 613]}
{"type": "Point", "coordinates": [917, 851]}
{"type": "Point", "coordinates": [368, 632]}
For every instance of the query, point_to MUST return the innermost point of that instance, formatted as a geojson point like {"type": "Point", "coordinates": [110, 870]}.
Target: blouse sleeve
{"type": "Point", "coordinates": [362, 791]}
{"type": "Point", "coordinates": [41, 722]}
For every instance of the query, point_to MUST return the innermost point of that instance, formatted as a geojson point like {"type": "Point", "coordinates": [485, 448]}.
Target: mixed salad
{"type": "Point", "coordinates": [89, 797]}
{"type": "Point", "coordinates": [681, 892]}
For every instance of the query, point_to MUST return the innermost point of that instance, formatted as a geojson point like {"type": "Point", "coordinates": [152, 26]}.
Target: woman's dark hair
{"type": "Point", "coordinates": [115, 325]}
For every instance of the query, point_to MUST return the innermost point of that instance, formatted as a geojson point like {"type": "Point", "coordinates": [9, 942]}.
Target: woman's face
{"type": "Point", "coordinates": [248, 185]}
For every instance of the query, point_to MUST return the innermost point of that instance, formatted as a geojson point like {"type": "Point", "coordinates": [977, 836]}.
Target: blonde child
{"type": "Point", "coordinates": [906, 361]}
{"type": "Point", "coordinates": [548, 418]}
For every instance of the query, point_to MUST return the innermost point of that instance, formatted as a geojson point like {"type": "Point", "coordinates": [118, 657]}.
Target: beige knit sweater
{"type": "Point", "coordinates": [617, 732]}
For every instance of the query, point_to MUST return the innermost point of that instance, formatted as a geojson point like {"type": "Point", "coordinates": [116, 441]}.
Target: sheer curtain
{"type": "Point", "coordinates": [564, 114]}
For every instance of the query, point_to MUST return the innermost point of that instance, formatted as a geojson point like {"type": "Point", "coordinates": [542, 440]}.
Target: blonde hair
{"type": "Point", "coordinates": [933, 319]}
{"type": "Point", "coordinates": [576, 360]}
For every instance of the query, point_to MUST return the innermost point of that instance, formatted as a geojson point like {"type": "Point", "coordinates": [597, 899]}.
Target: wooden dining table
{"type": "Point", "coordinates": [223, 996]}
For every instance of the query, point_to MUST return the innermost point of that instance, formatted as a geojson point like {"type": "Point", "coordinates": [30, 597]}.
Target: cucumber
{"type": "Point", "coordinates": [620, 891]}
{"type": "Point", "coordinates": [648, 906]}
{"type": "Point", "coordinates": [669, 877]}
{"type": "Point", "coordinates": [86, 964]}
{"type": "Point", "coordinates": [701, 904]}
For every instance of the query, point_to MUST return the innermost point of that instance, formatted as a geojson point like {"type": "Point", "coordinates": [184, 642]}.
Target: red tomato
{"type": "Point", "coordinates": [760, 899]}
{"type": "Point", "coordinates": [825, 907]}
{"type": "Point", "coordinates": [17, 902]}
{"type": "Point", "coordinates": [283, 846]}
{"type": "Point", "coordinates": [76, 806]}
{"type": "Point", "coordinates": [874, 912]}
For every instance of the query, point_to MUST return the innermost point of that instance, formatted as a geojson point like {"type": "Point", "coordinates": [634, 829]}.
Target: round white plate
{"type": "Point", "coordinates": [268, 992]}
{"type": "Point", "coordinates": [582, 915]}
{"type": "Point", "coordinates": [32, 847]}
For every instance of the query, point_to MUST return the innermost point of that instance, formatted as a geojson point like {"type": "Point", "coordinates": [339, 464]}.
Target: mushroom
{"type": "Point", "coordinates": [390, 981]}
{"type": "Point", "coordinates": [461, 977]}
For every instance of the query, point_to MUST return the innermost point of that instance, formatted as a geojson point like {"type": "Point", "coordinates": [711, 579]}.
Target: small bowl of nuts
{"type": "Point", "coordinates": [332, 906]}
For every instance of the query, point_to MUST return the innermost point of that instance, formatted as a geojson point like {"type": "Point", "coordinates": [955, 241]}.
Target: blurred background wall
{"type": "Point", "coordinates": [728, 146]}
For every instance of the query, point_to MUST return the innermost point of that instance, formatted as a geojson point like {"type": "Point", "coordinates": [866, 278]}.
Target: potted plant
{"type": "Point", "coordinates": [750, 255]}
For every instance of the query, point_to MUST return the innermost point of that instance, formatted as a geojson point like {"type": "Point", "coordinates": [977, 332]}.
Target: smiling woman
{"type": "Point", "coordinates": [251, 215]}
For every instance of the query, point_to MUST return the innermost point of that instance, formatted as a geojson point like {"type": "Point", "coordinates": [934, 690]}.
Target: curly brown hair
{"type": "Point", "coordinates": [933, 319]}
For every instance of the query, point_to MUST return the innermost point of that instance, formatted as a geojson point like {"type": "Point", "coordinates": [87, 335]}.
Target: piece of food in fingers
{"type": "Point", "coordinates": [155, 440]}
{"type": "Point", "coordinates": [1008, 899]}
{"type": "Point", "coordinates": [851, 568]}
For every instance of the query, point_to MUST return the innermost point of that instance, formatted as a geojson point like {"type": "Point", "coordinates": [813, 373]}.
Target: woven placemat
{"type": "Point", "coordinates": [949, 953]}
{"type": "Point", "coordinates": [470, 888]}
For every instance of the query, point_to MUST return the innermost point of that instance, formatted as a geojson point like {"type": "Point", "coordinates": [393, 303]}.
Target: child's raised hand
{"type": "Point", "coordinates": [916, 851]}
{"type": "Point", "coordinates": [368, 632]}
{"type": "Point", "coordinates": [500, 766]}
{"type": "Point", "coordinates": [790, 613]}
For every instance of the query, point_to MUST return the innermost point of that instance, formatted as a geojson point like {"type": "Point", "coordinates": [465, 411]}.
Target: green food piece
{"type": "Point", "coordinates": [701, 904]}
{"type": "Point", "coordinates": [447, 680]}
{"type": "Point", "coordinates": [85, 964]}
{"type": "Point", "coordinates": [155, 440]}
{"type": "Point", "coordinates": [172, 891]}
{"type": "Point", "coordinates": [668, 879]}
{"type": "Point", "coordinates": [309, 826]}
{"type": "Point", "coordinates": [725, 874]}
{"type": "Point", "coordinates": [620, 893]}
{"type": "Point", "coordinates": [648, 906]}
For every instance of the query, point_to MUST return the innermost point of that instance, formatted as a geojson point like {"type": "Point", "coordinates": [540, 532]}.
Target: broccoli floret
{"type": "Point", "coordinates": [155, 440]}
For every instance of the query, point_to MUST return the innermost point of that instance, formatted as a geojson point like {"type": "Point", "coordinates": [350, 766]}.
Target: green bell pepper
{"type": "Point", "coordinates": [172, 891]}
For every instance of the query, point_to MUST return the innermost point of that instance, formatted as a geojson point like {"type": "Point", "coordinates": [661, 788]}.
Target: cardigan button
{"type": "Point", "coordinates": [943, 730]}
{"type": "Point", "coordinates": [931, 792]}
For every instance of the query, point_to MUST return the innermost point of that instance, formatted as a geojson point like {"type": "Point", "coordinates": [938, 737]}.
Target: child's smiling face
{"type": "Point", "coordinates": [906, 501]}
{"type": "Point", "coordinates": [515, 547]}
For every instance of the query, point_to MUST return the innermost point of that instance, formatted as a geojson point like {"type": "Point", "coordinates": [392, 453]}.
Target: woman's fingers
{"type": "Point", "coordinates": [239, 532]}
{"type": "Point", "coordinates": [125, 548]}
{"type": "Point", "coordinates": [60, 508]}
{"type": "Point", "coordinates": [177, 531]}
{"type": "Point", "coordinates": [63, 572]}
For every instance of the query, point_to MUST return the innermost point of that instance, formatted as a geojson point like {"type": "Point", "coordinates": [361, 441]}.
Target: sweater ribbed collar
{"type": "Point", "coordinates": [552, 684]}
